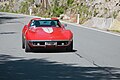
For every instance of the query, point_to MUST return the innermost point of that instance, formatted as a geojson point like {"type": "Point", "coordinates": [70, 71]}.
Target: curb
{"type": "Point", "coordinates": [75, 24]}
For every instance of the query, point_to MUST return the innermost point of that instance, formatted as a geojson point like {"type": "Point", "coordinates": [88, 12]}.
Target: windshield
{"type": "Point", "coordinates": [45, 23]}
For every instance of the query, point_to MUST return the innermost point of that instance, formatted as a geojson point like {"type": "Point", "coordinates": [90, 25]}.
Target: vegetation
{"type": "Point", "coordinates": [5, 8]}
{"type": "Point", "coordinates": [70, 2]}
{"type": "Point", "coordinates": [58, 7]}
{"type": "Point", "coordinates": [24, 7]}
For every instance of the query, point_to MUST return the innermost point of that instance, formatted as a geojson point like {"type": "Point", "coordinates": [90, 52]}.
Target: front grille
{"type": "Point", "coordinates": [43, 43]}
{"type": "Point", "coordinates": [38, 43]}
{"type": "Point", "coordinates": [62, 42]}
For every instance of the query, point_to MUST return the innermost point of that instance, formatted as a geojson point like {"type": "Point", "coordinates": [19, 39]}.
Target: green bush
{"type": "Point", "coordinates": [57, 11]}
{"type": "Point", "coordinates": [24, 7]}
{"type": "Point", "coordinates": [69, 2]}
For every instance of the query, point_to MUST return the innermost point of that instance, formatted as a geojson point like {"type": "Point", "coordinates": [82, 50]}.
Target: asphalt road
{"type": "Point", "coordinates": [96, 55]}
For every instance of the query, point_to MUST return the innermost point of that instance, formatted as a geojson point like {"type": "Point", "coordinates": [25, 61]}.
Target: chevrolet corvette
{"type": "Point", "coordinates": [47, 33]}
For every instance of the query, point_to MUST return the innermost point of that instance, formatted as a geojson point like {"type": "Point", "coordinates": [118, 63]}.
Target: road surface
{"type": "Point", "coordinates": [96, 55]}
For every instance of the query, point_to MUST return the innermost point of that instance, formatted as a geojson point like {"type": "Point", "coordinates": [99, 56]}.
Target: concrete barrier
{"type": "Point", "coordinates": [101, 23]}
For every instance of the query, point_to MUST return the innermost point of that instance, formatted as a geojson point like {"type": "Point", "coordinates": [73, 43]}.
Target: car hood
{"type": "Point", "coordinates": [48, 33]}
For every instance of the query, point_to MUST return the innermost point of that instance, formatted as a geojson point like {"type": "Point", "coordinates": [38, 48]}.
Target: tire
{"type": "Point", "coordinates": [27, 47]}
{"type": "Point", "coordinates": [23, 42]}
{"type": "Point", "coordinates": [70, 47]}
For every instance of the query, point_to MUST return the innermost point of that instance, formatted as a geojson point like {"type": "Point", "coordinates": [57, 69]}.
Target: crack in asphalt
{"type": "Point", "coordinates": [8, 32]}
{"type": "Point", "coordinates": [15, 22]}
{"type": "Point", "coordinates": [95, 64]}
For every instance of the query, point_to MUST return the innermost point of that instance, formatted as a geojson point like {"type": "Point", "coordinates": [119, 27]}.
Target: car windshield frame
{"type": "Point", "coordinates": [45, 23]}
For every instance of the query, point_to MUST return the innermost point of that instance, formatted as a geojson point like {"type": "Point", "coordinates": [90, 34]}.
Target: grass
{"type": "Point", "coordinates": [118, 31]}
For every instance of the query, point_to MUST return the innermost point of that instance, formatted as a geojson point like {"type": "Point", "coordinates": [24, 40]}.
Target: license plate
{"type": "Point", "coordinates": [50, 43]}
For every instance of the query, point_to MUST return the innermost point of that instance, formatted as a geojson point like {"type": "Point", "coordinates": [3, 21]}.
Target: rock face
{"type": "Point", "coordinates": [96, 8]}
{"type": "Point", "coordinates": [14, 4]}
{"type": "Point", "coordinates": [2, 2]}
{"type": "Point", "coordinates": [104, 8]}
{"type": "Point", "coordinates": [107, 14]}
{"type": "Point", "coordinates": [93, 8]}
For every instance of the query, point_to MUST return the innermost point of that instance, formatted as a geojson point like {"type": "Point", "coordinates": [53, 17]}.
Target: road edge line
{"type": "Point", "coordinates": [75, 24]}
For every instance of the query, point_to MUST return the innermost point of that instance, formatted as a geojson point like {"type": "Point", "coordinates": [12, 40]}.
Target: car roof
{"type": "Point", "coordinates": [45, 19]}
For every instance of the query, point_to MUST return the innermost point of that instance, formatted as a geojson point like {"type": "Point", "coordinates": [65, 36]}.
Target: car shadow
{"type": "Point", "coordinates": [52, 51]}
{"type": "Point", "coordinates": [4, 33]}
{"type": "Point", "coordinates": [17, 68]}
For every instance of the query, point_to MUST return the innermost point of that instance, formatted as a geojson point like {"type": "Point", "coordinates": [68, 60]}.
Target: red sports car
{"type": "Point", "coordinates": [46, 33]}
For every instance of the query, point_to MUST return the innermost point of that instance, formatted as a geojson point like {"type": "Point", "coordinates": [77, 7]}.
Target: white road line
{"type": "Point", "coordinates": [72, 24]}
{"type": "Point", "coordinates": [91, 28]}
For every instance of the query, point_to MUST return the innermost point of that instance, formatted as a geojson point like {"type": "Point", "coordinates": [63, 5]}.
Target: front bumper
{"type": "Point", "coordinates": [49, 43]}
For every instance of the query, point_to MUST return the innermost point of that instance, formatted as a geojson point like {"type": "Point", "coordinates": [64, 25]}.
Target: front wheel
{"type": "Point", "coordinates": [23, 42]}
{"type": "Point", "coordinates": [70, 47]}
{"type": "Point", "coordinates": [27, 47]}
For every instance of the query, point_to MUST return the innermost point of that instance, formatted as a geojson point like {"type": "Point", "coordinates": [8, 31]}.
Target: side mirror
{"type": "Point", "coordinates": [65, 25]}
{"type": "Point", "coordinates": [26, 25]}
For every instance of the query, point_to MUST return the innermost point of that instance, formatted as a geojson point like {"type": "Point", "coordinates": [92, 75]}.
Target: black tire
{"type": "Point", "coordinates": [23, 42]}
{"type": "Point", "coordinates": [70, 47]}
{"type": "Point", "coordinates": [27, 47]}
